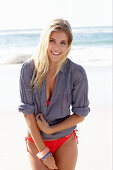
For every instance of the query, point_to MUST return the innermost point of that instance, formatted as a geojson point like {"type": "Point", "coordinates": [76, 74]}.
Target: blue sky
{"type": "Point", "coordinates": [20, 14]}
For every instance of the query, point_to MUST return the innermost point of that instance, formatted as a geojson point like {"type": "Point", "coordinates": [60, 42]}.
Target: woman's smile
{"type": "Point", "coordinates": [55, 53]}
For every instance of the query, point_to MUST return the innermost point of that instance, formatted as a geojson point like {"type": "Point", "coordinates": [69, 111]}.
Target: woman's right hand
{"type": "Point", "coordinates": [50, 162]}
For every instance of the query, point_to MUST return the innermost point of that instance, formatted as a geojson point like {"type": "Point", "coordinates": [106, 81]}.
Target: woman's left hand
{"type": "Point", "coordinates": [42, 124]}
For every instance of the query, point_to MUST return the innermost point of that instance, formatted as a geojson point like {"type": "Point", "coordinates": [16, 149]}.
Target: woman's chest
{"type": "Point", "coordinates": [50, 85]}
{"type": "Point", "coordinates": [57, 90]}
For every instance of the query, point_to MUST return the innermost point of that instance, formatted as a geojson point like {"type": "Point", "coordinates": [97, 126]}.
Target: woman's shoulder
{"type": "Point", "coordinates": [77, 71]}
{"type": "Point", "coordinates": [28, 67]}
{"type": "Point", "coordinates": [74, 67]}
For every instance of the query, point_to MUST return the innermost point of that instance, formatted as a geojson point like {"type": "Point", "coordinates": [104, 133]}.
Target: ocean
{"type": "Point", "coordinates": [91, 45]}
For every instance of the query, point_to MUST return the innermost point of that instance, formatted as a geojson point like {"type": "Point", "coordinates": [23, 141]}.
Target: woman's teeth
{"type": "Point", "coordinates": [55, 53]}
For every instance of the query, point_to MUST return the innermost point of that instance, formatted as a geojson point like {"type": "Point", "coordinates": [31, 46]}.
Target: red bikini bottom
{"type": "Point", "coordinates": [54, 144]}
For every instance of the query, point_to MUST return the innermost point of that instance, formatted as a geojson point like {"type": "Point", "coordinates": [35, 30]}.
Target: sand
{"type": "Point", "coordinates": [95, 133]}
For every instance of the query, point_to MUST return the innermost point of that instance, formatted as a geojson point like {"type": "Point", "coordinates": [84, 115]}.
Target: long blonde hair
{"type": "Point", "coordinates": [41, 61]}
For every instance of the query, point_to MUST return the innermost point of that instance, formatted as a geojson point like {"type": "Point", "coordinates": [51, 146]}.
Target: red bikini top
{"type": "Point", "coordinates": [48, 103]}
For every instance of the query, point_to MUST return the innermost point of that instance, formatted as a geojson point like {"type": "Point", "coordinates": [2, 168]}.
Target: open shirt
{"type": "Point", "coordinates": [70, 95]}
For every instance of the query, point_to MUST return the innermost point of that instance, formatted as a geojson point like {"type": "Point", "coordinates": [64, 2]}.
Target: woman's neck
{"type": "Point", "coordinates": [52, 69]}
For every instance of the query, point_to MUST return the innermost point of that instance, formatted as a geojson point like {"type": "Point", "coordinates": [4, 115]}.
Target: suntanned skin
{"type": "Point", "coordinates": [39, 145]}
{"type": "Point", "coordinates": [65, 157]}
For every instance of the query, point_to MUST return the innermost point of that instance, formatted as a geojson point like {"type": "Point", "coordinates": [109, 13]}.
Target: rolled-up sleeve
{"type": "Point", "coordinates": [80, 100]}
{"type": "Point", "coordinates": [26, 96]}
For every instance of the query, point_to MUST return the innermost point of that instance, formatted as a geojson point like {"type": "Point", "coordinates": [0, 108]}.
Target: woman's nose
{"type": "Point", "coordinates": [57, 46]}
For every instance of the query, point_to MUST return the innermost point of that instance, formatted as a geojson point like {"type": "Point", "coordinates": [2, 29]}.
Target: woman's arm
{"type": "Point", "coordinates": [28, 108]}
{"type": "Point", "coordinates": [34, 131]}
{"type": "Point", "coordinates": [67, 123]}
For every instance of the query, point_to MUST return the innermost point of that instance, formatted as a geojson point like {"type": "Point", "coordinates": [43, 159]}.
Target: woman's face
{"type": "Point", "coordinates": [58, 45]}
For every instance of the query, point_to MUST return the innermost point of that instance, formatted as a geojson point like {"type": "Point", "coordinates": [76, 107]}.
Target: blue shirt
{"type": "Point", "coordinates": [70, 94]}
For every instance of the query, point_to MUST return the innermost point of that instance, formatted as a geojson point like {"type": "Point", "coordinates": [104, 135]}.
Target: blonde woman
{"type": "Point", "coordinates": [49, 84]}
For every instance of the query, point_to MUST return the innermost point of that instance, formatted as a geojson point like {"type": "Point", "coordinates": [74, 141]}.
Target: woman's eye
{"type": "Point", "coordinates": [52, 41]}
{"type": "Point", "coordinates": [63, 42]}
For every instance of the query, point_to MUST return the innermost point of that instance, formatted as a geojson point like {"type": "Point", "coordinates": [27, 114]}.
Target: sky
{"type": "Point", "coordinates": [29, 14]}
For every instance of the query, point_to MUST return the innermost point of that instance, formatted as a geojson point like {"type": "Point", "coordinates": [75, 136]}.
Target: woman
{"type": "Point", "coordinates": [49, 84]}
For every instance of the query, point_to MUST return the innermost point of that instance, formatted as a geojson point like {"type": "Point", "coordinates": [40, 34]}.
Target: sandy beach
{"type": "Point", "coordinates": [95, 133]}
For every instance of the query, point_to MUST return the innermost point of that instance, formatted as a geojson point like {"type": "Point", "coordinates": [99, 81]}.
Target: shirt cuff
{"type": "Point", "coordinates": [81, 111]}
{"type": "Point", "coordinates": [26, 108]}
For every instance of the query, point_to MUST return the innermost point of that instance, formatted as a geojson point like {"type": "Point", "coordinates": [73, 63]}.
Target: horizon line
{"type": "Point", "coordinates": [41, 28]}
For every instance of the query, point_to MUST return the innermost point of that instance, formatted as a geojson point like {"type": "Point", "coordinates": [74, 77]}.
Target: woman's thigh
{"type": "Point", "coordinates": [66, 155]}
{"type": "Point", "coordinates": [36, 164]}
